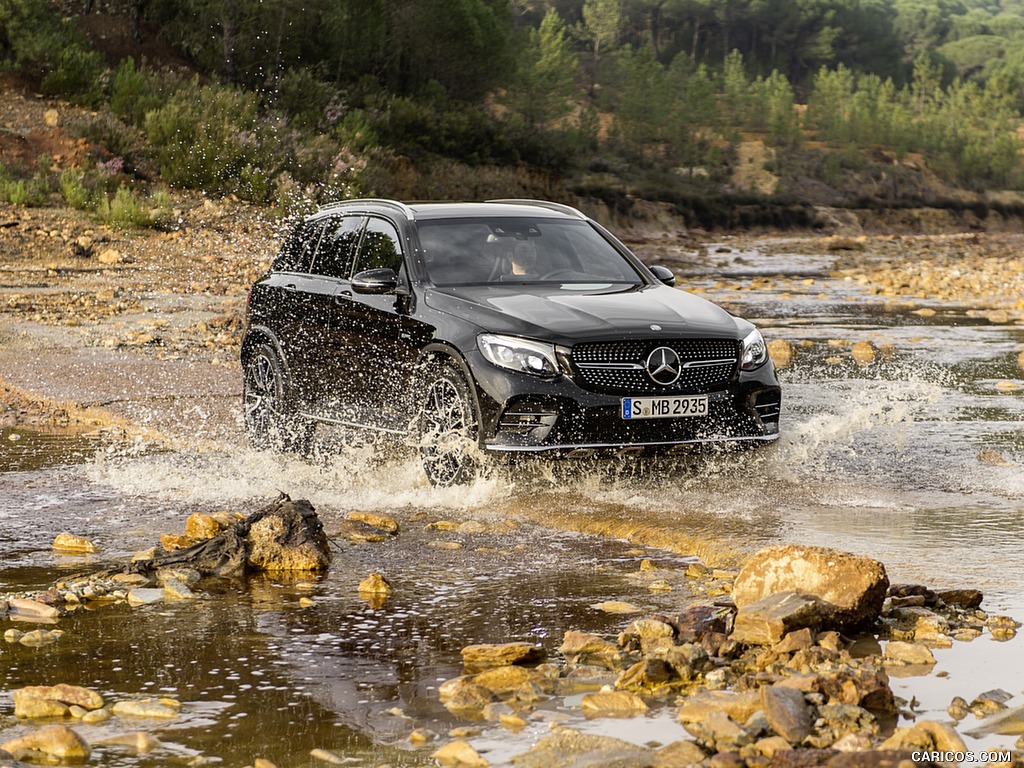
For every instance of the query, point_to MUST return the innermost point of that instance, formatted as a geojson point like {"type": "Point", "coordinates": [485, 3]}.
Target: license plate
{"type": "Point", "coordinates": [664, 407]}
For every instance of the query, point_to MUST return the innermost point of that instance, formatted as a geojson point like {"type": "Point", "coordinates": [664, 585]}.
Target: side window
{"type": "Point", "coordinates": [338, 246]}
{"type": "Point", "coordinates": [381, 247]}
{"type": "Point", "coordinates": [297, 251]}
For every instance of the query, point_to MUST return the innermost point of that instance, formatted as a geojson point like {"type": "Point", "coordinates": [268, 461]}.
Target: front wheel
{"type": "Point", "coordinates": [448, 427]}
{"type": "Point", "coordinates": [269, 418]}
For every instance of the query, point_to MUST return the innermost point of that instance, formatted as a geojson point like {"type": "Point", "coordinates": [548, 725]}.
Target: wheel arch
{"type": "Point", "coordinates": [448, 354]}
{"type": "Point", "coordinates": [258, 335]}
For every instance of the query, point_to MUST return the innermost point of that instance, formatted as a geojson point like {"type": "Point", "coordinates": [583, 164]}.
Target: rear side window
{"type": "Point", "coordinates": [338, 246]}
{"type": "Point", "coordinates": [297, 252]}
{"type": "Point", "coordinates": [381, 247]}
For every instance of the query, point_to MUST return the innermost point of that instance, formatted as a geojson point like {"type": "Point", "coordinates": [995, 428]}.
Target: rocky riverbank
{"type": "Point", "coordinates": [786, 662]}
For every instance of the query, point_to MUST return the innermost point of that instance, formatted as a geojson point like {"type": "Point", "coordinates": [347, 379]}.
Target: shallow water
{"type": "Point", "coordinates": [884, 460]}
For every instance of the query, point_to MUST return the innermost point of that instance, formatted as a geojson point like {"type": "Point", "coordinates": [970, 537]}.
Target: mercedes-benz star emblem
{"type": "Point", "coordinates": [663, 366]}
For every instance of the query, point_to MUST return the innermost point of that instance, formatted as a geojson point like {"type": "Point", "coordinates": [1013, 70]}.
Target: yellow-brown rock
{"type": "Point", "coordinates": [68, 542]}
{"type": "Point", "coordinates": [55, 741]}
{"type": "Point", "coordinates": [199, 527]}
{"type": "Point", "coordinates": [460, 754]}
{"type": "Point", "coordinates": [863, 352]}
{"type": "Point", "coordinates": [781, 352]}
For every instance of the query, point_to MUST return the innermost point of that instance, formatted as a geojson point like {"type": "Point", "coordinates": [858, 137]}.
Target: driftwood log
{"type": "Point", "coordinates": [285, 535]}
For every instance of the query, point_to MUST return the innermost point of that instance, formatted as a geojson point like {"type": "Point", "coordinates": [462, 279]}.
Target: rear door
{"type": "Point", "coordinates": [326, 352]}
{"type": "Point", "coordinates": [287, 296]}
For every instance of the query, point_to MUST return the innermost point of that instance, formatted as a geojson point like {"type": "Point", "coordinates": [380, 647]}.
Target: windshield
{"type": "Point", "coordinates": [503, 250]}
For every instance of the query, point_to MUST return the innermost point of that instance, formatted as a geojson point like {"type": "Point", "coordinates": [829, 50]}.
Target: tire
{"type": "Point", "coordinates": [448, 427]}
{"type": "Point", "coordinates": [270, 418]}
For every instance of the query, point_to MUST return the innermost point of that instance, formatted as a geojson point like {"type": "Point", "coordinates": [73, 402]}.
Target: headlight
{"type": "Point", "coordinates": [755, 351]}
{"type": "Point", "coordinates": [521, 355]}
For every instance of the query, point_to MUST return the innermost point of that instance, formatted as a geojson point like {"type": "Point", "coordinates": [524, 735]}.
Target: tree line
{"type": "Point", "coordinates": [322, 94]}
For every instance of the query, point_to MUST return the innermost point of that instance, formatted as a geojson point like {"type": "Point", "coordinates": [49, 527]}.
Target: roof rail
{"type": "Point", "coordinates": [372, 201]}
{"type": "Point", "coordinates": [567, 209]}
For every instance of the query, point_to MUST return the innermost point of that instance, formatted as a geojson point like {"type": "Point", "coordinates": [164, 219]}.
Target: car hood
{"type": "Point", "coordinates": [565, 315]}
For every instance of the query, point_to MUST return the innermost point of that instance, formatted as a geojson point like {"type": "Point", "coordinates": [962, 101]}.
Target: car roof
{"type": "Point", "coordinates": [451, 210]}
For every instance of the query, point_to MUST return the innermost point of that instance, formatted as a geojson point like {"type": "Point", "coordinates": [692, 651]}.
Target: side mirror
{"type": "Point", "coordinates": [664, 274]}
{"type": "Point", "coordinates": [381, 280]}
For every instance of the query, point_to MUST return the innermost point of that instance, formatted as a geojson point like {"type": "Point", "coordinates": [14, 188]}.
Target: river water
{"type": "Point", "coordinates": [916, 459]}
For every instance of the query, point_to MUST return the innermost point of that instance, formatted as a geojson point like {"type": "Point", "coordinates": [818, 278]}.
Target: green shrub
{"type": "Point", "coordinates": [125, 211]}
{"type": "Point", "coordinates": [304, 98]}
{"type": "Point", "coordinates": [205, 136]}
{"type": "Point", "coordinates": [73, 190]}
{"type": "Point", "coordinates": [77, 76]}
{"type": "Point", "coordinates": [134, 92]}
{"type": "Point", "coordinates": [14, 192]}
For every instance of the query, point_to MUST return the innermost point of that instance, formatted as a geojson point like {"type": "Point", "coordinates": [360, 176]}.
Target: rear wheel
{"type": "Point", "coordinates": [448, 427]}
{"type": "Point", "coordinates": [270, 419]}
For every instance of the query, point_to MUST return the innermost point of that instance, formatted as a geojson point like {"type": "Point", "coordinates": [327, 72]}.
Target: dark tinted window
{"type": "Point", "coordinates": [338, 246]}
{"type": "Point", "coordinates": [381, 247]}
{"type": "Point", "coordinates": [297, 251]}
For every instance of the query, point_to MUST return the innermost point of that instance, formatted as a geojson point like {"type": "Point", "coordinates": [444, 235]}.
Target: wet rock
{"type": "Point", "coordinates": [990, 702]}
{"type": "Point", "coordinates": [67, 542]}
{"type": "Point", "coordinates": [288, 537]}
{"type": "Point", "coordinates": [688, 661]}
{"type": "Point", "coordinates": [645, 675]}
{"type": "Point", "coordinates": [502, 654]}
{"type": "Point", "coordinates": [66, 695]}
{"type": "Point", "coordinates": [357, 531]}
{"type": "Point", "coordinates": [147, 708]}
{"type": "Point", "coordinates": [380, 522]}
{"type": "Point", "coordinates": [31, 608]}
{"type": "Point", "coordinates": [787, 713]}
{"type": "Point", "coordinates": [38, 638]}
{"type": "Point", "coordinates": [326, 756]}
{"type": "Point", "coordinates": [958, 708]}
{"type": "Point", "coordinates": [200, 527]}
{"type": "Point", "coordinates": [375, 584]}
{"type": "Point", "coordinates": [863, 352]}
{"type": "Point", "coordinates": [465, 699]}
{"type": "Point", "coordinates": [1008, 722]}
{"type": "Point", "coordinates": [678, 754]}
{"type": "Point", "coordinates": [584, 647]}
{"type": "Point", "coordinates": [768, 620]}
{"type": "Point", "coordinates": [460, 754]}
{"type": "Point", "coordinates": [509, 680]}
{"type": "Point", "coordinates": [836, 721]}
{"type": "Point", "coordinates": [782, 352]}
{"type": "Point", "coordinates": [646, 629]}
{"type": "Point", "coordinates": [613, 704]}
{"type": "Point", "coordinates": [615, 606]}
{"type": "Point", "coordinates": [718, 732]}
{"type": "Point", "coordinates": [695, 622]}
{"type": "Point", "coordinates": [173, 541]}
{"type": "Point", "coordinates": [739, 705]}
{"type": "Point", "coordinates": [146, 596]}
{"type": "Point", "coordinates": [566, 747]}
{"type": "Point", "coordinates": [926, 735]}
{"type": "Point", "coordinates": [851, 588]}
{"type": "Point", "coordinates": [912, 654]}
{"type": "Point", "coordinates": [55, 741]}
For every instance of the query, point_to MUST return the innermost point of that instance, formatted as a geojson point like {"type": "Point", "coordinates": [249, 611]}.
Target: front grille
{"type": "Point", "coordinates": [618, 367]}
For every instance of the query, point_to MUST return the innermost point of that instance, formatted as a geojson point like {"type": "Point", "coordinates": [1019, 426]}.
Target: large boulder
{"type": "Point", "coordinates": [849, 588]}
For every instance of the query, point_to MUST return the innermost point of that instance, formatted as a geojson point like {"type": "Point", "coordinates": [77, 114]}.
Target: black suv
{"type": "Point", "coordinates": [510, 326]}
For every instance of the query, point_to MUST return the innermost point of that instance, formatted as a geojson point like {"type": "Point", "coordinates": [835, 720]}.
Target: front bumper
{"type": "Point", "coordinates": [523, 414]}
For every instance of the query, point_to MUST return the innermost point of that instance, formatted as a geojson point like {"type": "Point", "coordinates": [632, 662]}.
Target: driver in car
{"type": "Point", "coordinates": [524, 259]}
